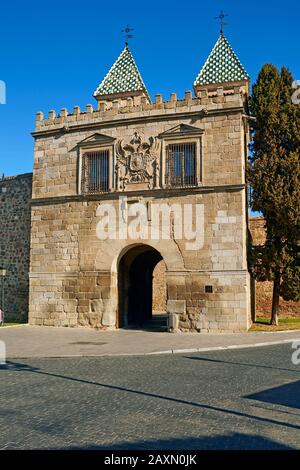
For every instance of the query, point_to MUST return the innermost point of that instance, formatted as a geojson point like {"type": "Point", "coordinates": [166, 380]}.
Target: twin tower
{"type": "Point", "coordinates": [124, 81]}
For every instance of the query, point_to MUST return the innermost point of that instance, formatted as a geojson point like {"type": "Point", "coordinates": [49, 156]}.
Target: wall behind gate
{"type": "Point", "coordinates": [264, 289]}
{"type": "Point", "coordinates": [15, 196]}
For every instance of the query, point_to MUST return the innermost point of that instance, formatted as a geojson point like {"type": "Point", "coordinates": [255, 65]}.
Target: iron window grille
{"type": "Point", "coordinates": [95, 172]}
{"type": "Point", "coordinates": [181, 165]}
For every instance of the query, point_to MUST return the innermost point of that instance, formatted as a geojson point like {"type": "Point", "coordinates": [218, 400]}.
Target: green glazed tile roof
{"type": "Point", "coordinates": [123, 77]}
{"type": "Point", "coordinates": [222, 65]}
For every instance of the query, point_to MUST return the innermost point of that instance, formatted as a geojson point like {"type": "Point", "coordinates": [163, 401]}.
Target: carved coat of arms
{"type": "Point", "coordinates": [137, 162]}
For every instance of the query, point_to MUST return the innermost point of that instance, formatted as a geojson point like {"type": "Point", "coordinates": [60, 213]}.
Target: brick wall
{"type": "Point", "coordinates": [15, 195]}
{"type": "Point", "coordinates": [264, 289]}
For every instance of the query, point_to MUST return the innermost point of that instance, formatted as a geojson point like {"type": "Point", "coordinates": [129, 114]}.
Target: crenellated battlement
{"type": "Point", "coordinates": [206, 99]}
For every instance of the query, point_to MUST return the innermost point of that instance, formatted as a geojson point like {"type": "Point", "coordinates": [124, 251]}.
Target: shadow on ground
{"type": "Point", "coordinates": [20, 367]}
{"type": "Point", "coordinates": [234, 363]}
{"type": "Point", "coordinates": [234, 441]}
{"type": "Point", "coordinates": [286, 395]}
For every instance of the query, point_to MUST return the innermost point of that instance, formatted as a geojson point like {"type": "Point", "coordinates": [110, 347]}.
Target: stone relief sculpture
{"type": "Point", "coordinates": [137, 162]}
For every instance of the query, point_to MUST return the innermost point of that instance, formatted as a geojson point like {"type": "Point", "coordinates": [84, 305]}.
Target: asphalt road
{"type": "Point", "coordinates": [237, 399]}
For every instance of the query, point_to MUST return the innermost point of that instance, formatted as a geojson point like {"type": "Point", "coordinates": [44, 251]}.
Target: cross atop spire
{"type": "Point", "coordinates": [221, 17]}
{"type": "Point", "coordinates": [127, 31]}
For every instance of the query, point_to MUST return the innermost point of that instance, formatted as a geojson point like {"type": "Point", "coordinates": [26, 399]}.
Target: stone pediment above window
{"type": "Point", "coordinates": [181, 130]}
{"type": "Point", "coordinates": [96, 139]}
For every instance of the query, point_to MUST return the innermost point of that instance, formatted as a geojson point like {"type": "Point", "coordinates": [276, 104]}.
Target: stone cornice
{"type": "Point", "coordinates": [155, 193]}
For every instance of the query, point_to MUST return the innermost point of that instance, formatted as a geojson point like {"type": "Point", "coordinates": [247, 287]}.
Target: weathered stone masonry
{"type": "Point", "coordinates": [73, 281]}
{"type": "Point", "coordinates": [75, 277]}
{"type": "Point", "coordinates": [180, 152]}
{"type": "Point", "coordinates": [15, 197]}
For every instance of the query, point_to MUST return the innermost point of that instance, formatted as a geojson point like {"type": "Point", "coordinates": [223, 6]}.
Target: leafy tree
{"type": "Point", "coordinates": [274, 176]}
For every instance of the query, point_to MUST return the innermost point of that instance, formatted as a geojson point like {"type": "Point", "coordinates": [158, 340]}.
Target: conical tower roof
{"type": "Point", "coordinates": [123, 78]}
{"type": "Point", "coordinates": [221, 66]}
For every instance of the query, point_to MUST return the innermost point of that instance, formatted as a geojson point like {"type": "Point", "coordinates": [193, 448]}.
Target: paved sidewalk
{"type": "Point", "coordinates": [26, 341]}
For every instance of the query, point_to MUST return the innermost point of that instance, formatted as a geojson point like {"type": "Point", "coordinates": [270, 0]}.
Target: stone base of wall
{"type": "Point", "coordinates": [90, 299]}
{"type": "Point", "coordinates": [225, 309]}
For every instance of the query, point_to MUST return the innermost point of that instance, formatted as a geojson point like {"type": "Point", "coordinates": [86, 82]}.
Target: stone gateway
{"type": "Point", "coordinates": [158, 177]}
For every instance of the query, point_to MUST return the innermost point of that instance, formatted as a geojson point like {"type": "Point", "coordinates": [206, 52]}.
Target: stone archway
{"type": "Point", "coordinates": [135, 285]}
{"type": "Point", "coordinates": [111, 251]}
{"type": "Point", "coordinates": [106, 264]}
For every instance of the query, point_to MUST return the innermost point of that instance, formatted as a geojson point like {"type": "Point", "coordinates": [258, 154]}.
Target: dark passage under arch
{"type": "Point", "coordinates": [135, 285]}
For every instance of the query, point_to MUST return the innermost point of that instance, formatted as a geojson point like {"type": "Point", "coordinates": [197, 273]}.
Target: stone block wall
{"type": "Point", "coordinates": [73, 273]}
{"type": "Point", "coordinates": [15, 197]}
{"type": "Point", "coordinates": [264, 290]}
{"type": "Point", "coordinates": [225, 309]}
{"type": "Point", "coordinates": [159, 288]}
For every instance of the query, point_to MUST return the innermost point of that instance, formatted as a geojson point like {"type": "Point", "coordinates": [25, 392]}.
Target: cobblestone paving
{"type": "Point", "coordinates": [238, 399]}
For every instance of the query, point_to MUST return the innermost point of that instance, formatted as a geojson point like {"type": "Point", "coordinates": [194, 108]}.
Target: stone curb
{"type": "Point", "coordinates": [169, 351]}
{"type": "Point", "coordinates": [276, 332]}
{"type": "Point", "coordinates": [212, 348]}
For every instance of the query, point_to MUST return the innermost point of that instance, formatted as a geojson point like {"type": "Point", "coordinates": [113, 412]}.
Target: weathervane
{"type": "Point", "coordinates": [128, 34]}
{"type": "Point", "coordinates": [222, 22]}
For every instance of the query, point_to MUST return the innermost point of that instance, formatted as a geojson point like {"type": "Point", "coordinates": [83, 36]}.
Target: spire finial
{"type": "Point", "coordinates": [221, 17]}
{"type": "Point", "coordinates": [127, 31]}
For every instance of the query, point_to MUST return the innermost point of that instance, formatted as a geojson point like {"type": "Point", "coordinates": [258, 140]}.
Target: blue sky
{"type": "Point", "coordinates": [54, 54]}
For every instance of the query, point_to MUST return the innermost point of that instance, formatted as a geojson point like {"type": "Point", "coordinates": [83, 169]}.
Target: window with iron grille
{"type": "Point", "coordinates": [181, 167]}
{"type": "Point", "coordinates": [95, 172]}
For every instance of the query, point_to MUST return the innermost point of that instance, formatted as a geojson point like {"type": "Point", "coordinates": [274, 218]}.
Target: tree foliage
{"type": "Point", "coordinates": [274, 176]}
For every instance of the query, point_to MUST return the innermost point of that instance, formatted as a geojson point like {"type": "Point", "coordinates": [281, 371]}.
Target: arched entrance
{"type": "Point", "coordinates": [135, 286]}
